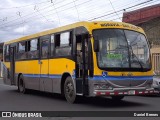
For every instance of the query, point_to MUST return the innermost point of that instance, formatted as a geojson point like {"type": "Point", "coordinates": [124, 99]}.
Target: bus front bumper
{"type": "Point", "coordinates": [124, 92]}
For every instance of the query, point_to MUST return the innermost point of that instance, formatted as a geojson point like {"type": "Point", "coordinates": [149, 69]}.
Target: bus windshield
{"type": "Point", "coordinates": [122, 49]}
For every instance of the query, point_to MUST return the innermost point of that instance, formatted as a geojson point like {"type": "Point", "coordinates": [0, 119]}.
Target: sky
{"type": "Point", "coordinates": [19, 18]}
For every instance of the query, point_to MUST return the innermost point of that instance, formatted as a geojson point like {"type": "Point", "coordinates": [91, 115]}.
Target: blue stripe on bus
{"type": "Point", "coordinates": [42, 75]}
{"type": "Point", "coordinates": [121, 78]}
{"type": "Point", "coordinates": [31, 75]}
{"type": "Point", "coordinates": [55, 76]}
{"type": "Point", "coordinates": [93, 78]}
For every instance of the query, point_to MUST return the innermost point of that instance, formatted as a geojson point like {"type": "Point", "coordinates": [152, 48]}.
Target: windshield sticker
{"type": "Point", "coordinates": [114, 56]}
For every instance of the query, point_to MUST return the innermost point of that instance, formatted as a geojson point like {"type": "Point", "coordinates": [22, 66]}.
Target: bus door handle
{"type": "Point", "coordinates": [39, 62]}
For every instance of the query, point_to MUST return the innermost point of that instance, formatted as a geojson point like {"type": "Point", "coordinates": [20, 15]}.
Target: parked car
{"type": "Point", "coordinates": [156, 84]}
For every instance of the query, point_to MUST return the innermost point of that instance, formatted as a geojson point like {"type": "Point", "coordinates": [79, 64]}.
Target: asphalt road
{"type": "Point", "coordinates": [12, 100]}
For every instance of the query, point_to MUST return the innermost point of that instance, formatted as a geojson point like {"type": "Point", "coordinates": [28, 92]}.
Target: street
{"type": "Point", "coordinates": [12, 100]}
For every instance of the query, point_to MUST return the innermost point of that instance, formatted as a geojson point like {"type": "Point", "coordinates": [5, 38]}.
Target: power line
{"type": "Point", "coordinates": [30, 14]}
{"type": "Point", "coordinates": [1, 26]}
{"type": "Point", "coordinates": [93, 12]}
{"type": "Point", "coordinates": [23, 5]}
{"type": "Point", "coordinates": [57, 15]}
{"type": "Point", "coordinates": [121, 10]}
{"type": "Point", "coordinates": [76, 10]}
{"type": "Point", "coordinates": [66, 8]}
{"type": "Point", "coordinates": [70, 8]}
{"type": "Point", "coordinates": [136, 9]}
{"type": "Point", "coordinates": [49, 12]}
{"type": "Point", "coordinates": [19, 14]}
{"type": "Point", "coordinates": [22, 17]}
{"type": "Point", "coordinates": [131, 13]}
{"type": "Point", "coordinates": [143, 5]}
{"type": "Point", "coordinates": [114, 9]}
{"type": "Point", "coordinates": [43, 9]}
{"type": "Point", "coordinates": [41, 14]}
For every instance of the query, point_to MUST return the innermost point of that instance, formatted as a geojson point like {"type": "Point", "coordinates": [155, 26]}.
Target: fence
{"type": "Point", "coordinates": [156, 62]}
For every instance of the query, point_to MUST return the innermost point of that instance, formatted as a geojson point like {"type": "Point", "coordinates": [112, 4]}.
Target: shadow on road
{"type": "Point", "coordinates": [150, 96]}
{"type": "Point", "coordinates": [108, 102]}
{"type": "Point", "coordinates": [91, 101]}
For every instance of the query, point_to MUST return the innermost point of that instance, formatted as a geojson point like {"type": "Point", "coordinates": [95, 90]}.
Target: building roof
{"type": "Point", "coordinates": [142, 15]}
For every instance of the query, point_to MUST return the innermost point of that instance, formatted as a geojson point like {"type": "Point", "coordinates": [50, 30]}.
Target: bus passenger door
{"type": "Point", "coordinates": [12, 64]}
{"type": "Point", "coordinates": [82, 64]}
{"type": "Point", "coordinates": [45, 82]}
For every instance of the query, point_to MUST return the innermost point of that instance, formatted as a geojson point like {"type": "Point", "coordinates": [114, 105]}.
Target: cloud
{"type": "Point", "coordinates": [21, 29]}
{"type": "Point", "coordinates": [51, 16]}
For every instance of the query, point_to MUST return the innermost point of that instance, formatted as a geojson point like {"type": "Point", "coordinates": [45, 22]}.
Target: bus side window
{"type": "Point", "coordinates": [22, 51]}
{"type": "Point", "coordinates": [33, 51]}
{"type": "Point", "coordinates": [44, 48]}
{"type": "Point", "coordinates": [63, 44]}
{"type": "Point", "coordinates": [79, 49]}
{"type": "Point", "coordinates": [6, 53]}
{"type": "Point", "coordinates": [52, 45]}
{"type": "Point", "coordinates": [57, 40]}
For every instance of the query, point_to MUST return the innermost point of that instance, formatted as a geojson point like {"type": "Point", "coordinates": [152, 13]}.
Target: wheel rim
{"type": "Point", "coordinates": [69, 90]}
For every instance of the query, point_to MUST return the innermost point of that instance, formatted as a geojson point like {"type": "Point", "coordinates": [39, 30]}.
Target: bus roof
{"type": "Point", "coordinates": [88, 25]}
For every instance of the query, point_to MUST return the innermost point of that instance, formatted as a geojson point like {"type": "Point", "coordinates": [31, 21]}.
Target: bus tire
{"type": "Point", "coordinates": [69, 90]}
{"type": "Point", "coordinates": [117, 98]}
{"type": "Point", "coordinates": [21, 85]}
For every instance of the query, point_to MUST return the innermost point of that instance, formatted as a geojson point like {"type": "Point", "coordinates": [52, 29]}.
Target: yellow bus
{"type": "Point", "coordinates": [101, 58]}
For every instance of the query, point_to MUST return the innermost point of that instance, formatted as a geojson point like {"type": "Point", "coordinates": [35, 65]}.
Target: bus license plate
{"type": "Point", "coordinates": [131, 92]}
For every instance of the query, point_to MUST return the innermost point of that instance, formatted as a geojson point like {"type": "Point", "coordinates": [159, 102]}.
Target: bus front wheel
{"type": "Point", "coordinates": [21, 85]}
{"type": "Point", "coordinates": [69, 90]}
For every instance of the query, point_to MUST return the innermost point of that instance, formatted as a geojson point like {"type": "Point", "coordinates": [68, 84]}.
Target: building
{"type": "Point", "coordinates": [149, 19]}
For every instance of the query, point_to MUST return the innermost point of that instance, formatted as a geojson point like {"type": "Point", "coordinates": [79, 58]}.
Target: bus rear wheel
{"type": "Point", "coordinates": [21, 85]}
{"type": "Point", "coordinates": [69, 90]}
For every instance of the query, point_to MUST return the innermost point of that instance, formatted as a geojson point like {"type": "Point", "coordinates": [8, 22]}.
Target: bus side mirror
{"type": "Point", "coordinates": [96, 45]}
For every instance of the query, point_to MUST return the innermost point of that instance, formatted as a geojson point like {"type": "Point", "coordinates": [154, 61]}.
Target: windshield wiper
{"type": "Point", "coordinates": [136, 58]}
{"type": "Point", "coordinates": [121, 46]}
